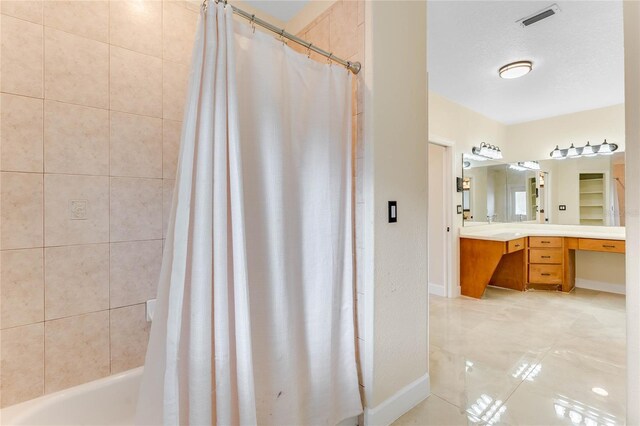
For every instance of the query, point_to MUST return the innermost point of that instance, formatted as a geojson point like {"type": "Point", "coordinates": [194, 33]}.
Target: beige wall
{"type": "Point", "coordinates": [92, 96]}
{"type": "Point", "coordinates": [534, 140]}
{"type": "Point", "coordinates": [396, 143]}
{"type": "Point", "coordinates": [467, 128]}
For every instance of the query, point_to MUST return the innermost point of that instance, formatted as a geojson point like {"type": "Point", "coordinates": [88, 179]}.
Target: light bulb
{"type": "Point", "coordinates": [556, 154]}
{"type": "Point", "coordinates": [572, 152]}
{"type": "Point", "coordinates": [588, 151]}
{"type": "Point", "coordinates": [605, 148]}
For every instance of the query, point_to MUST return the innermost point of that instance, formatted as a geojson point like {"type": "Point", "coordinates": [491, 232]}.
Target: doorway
{"type": "Point", "coordinates": [439, 216]}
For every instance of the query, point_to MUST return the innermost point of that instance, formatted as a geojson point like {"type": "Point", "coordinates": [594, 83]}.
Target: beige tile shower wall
{"type": "Point", "coordinates": [340, 30]}
{"type": "Point", "coordinates": [91, 104]}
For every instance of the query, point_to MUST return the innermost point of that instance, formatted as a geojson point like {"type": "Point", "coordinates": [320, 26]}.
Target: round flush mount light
{"type": "Point", "coordinates": [515, 69]}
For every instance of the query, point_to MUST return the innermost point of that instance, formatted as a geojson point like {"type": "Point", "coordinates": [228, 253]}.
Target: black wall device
{"type": "Point", "coordinates": [562, 207]}
{"type": "Point", "coordinates": [459, 184]}
{"type": "Point", "coordinates": [393, 211]}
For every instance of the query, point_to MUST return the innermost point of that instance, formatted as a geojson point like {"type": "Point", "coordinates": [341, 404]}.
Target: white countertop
{"type": "Point", "coordinates": [512, 231]}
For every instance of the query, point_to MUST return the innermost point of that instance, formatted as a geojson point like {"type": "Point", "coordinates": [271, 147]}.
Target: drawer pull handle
{"type": "Point", "coordinates": [545, 242]}
{"type": "Point", "coordinates": [545, 274]}
{"type": "Point", "coordinates": [546, 257]}
{"type": "Point", "coordinates": [517, 245]}
{"type": "Point", "coordinates": [608, 246]}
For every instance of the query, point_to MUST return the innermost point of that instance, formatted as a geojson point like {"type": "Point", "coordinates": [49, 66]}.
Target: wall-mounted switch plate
{"type": "Point", "coordinates": [79, 209]}
{"type": "Point", "coordinates": [393, 211]}
{"type": "Point", "coordinates": [562, 207]}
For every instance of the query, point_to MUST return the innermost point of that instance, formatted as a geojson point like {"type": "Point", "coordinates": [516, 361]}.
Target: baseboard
{"type": "Point", "coordinates": [457, 291]}
{"type": "Point", "coordinates": [600, 286]}
{"type": "Point", "coordinates": [402, 401]}
{"type": "Point", "coordinates": [437, 289]}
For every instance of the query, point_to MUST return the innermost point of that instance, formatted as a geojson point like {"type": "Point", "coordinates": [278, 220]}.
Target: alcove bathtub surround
{"type": "Point", "coordinates": [91, 109]}
{"type": "Point", "coordinates": [91, 119]}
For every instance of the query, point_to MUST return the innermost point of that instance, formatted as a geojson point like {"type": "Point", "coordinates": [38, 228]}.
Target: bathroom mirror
{"type": "Point", "coordinates": [484, 189]}
{"type": "Point", "coordinates": [573, 191]}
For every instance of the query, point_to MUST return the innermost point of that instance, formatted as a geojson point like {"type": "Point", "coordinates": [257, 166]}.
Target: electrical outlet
{"type": "Point", "coordinates": [79, 209]}
{"type": "Point", "coordinates": [562, 207]}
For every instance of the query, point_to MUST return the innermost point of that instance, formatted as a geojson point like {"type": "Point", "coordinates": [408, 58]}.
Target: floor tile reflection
{"type": "Point", "coordinates": [532, 358]}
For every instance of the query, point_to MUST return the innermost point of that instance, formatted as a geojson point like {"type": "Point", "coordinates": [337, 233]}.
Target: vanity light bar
{"type": "Point", "coordinates": [487, 151]}
{"type": "Point", "coordinates": [588, 150]}
{"type": "Point", "coordinates": [531, 165]}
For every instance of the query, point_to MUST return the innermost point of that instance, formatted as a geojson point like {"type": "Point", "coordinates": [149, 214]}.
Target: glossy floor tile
{"type": "Point", "coordinates": [532, 358]}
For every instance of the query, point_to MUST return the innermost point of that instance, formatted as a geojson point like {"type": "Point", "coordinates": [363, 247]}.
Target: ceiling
{"type": "Point", "coordinates": [577, 55]}
{"type": "Point", "coordinates": [283, 10]}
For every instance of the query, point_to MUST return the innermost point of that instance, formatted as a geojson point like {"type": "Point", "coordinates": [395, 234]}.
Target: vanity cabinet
{"type": "Point", "coordinates": [545, 262]}
{"type": "Point", "coordinates": [525, 262]}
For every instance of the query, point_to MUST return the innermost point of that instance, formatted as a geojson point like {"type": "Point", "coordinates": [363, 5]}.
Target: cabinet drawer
{"type": "Point", "coordinates": [515, 245]}
{"type": "Point", "coordinates": [612, 246]}
{"type": "Point", "coordinates": [555, 242]}
{"type": "Point", "coordinates": [545, 274]}
{"type": "Point", "coordinates": [539, 255]}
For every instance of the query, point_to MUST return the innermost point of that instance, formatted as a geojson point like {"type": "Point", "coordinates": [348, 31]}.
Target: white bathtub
{"type": "Point", "coordinates": [109, 401]}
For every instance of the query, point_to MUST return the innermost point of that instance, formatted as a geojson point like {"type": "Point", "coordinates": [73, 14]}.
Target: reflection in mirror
{"type": "Point", "coordinates": [484, 200]}
{"type": "Point", "coordinates": [521, 194]}
{"type": "Point", "coordinates": [573, 191]}
{"type": "Point", "coordinates": [587, 190]}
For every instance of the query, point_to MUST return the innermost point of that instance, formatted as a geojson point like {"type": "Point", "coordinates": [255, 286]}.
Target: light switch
{"type": "Point", "coordinates": [393, 211]}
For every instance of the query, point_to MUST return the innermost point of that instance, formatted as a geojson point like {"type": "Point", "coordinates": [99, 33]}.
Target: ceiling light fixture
{"type": "Point", "coordinates": [588, 150]}
{"type": "Point", "coordinates": [515, 69]}
{"type": "Point", "coordinates": [488, 151]}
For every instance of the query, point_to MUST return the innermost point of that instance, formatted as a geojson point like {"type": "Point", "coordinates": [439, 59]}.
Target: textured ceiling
{"type": "Point", "coordinates": [283, 10]}
{"type": "Point", "coordinates": [577, 54]}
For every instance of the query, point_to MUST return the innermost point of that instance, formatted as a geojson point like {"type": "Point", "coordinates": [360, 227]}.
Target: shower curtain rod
{"type": "Point", "coordinates": [354, 67]}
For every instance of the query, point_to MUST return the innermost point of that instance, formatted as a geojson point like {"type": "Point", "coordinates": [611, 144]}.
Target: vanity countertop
{"type": "Point", "coordinates": [512, 231]}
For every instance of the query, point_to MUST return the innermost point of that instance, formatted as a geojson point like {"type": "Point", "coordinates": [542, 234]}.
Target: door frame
{"type": "Point", "coordinates": [449, 172]}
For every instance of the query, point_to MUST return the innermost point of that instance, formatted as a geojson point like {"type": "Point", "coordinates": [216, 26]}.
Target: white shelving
{"type": "Point", "coordinates": [592, 199]}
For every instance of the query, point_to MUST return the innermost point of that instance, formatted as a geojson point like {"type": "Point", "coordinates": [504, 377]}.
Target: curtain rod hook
{"type": "Point", "coordinates": [329, 59]}
{"type": "Point", "coordinates": [253, 23]}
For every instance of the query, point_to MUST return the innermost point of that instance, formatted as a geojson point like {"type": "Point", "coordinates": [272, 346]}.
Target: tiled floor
{"type": "Point", "coordinates": [533, 358]}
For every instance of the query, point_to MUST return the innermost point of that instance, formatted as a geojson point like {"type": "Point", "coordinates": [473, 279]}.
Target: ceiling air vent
{"type": "Point", "coordinates": [539, 16]}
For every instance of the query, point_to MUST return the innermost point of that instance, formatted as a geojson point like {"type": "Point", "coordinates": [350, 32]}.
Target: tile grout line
{"type": "Point", "coordinates": [44, 263]}
{"type": "Point", "coordinates": [109, 184]}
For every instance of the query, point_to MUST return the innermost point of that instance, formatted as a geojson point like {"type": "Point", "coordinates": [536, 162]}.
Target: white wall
{"type": "Point", "coordinates": [395, 255]}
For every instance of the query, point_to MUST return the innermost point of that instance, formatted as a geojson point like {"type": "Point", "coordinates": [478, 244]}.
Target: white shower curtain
{"type": "Point", "coordinates": [254, 321]}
